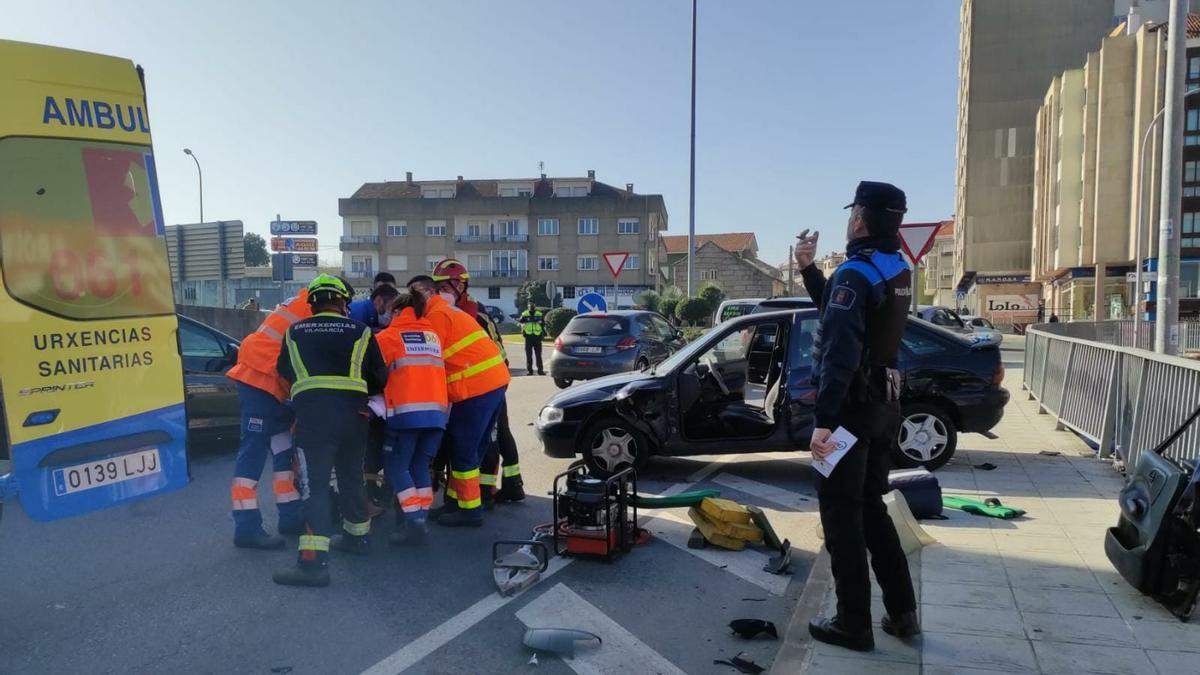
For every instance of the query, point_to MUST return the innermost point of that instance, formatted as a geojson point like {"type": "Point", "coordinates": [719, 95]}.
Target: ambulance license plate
{"type": "Point", "coordinates": [79, 477]}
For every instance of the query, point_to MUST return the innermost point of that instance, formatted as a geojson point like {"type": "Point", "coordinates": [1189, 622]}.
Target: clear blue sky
{"type": "Point", "coordinates": [291, 105]}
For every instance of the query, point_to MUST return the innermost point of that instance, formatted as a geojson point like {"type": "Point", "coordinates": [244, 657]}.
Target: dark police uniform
{"type": "Point", "coordinates": [863, 308]}
{"type": "Point", "coordinates": [333, 364]}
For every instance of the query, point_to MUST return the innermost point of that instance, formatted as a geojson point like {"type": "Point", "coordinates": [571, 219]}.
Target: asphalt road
{"type": "Point", "coordinates": [158, 586]}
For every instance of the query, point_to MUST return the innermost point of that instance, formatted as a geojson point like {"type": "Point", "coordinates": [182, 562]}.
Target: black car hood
{"type": "Point", "coordinates": [596, 390]}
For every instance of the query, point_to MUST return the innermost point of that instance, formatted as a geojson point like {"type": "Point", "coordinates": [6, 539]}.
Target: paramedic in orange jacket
{"type": "Point", "coordinates": [417, 409]}
{"type": "Point", "coordinates": [266, 428]}
{"type": "Point", "coordinates": [476, 380]}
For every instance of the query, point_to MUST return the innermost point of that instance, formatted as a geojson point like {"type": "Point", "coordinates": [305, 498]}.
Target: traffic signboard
{"type": "Point", "coordinates": [293, 227]}
{"type": "Point", "coordinates": [615, 261]}
{"type": "Point", "coordinates": [917, 239]}
{"type": "Point", "coordinates": [304, 260]}
{"type": "Point", "coordinates": [592, 302]}
{"type": "Point", "coordinates": [294, 244]}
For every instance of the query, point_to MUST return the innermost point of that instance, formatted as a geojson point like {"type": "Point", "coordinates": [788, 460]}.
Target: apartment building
{"type": "Point", "coordinates": [506, 231]}
{"type": "Point", "coordinates": [1010, 52]}
{"type": "Point", "coordinates": [938, 267]}
{"type": "Point", "coordinates": [1092, 190]}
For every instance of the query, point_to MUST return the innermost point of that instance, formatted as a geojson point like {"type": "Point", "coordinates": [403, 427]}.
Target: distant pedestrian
{"type": "Point", "coordinates": [1041, 315]}
{"type": "Point", "coordinates": [533, 326]}
{"type": "Point", "coordinates": [863, 309]}
{"type": "Point", "coordinates": [1053, 318]}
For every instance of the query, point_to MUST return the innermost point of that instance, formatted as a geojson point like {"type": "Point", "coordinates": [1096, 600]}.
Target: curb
{"type": "Point", "coordinates": [795, 653]}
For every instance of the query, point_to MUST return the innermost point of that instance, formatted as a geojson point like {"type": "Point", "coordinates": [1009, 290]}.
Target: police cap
{"type": "Point", "coordinates": [879, 196]}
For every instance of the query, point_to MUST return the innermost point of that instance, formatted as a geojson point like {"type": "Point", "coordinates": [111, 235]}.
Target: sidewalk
{"type": "Point", "coordinates": [1036, 594]}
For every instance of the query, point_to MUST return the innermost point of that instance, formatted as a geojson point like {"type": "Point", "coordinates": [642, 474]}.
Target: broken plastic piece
{"type": "Point", "coordinates": [986, 466]}
{"type": "Point", "coordinates": [1050, 453]}
{"type": "Point", "coordinates": [752, 628]}
{"type": "Point", "coordinates": [743, 664]}
{"type": "Point", "coordinates": [533, 659]}
{"type": "Point", "coordinates": [520, 568]}
{"type": "Point", "coordinates": [561, 641]}
{"type": "Point", "coordinates": [782, 563]}
{"type": "Point", "coordinates": [759, 518]}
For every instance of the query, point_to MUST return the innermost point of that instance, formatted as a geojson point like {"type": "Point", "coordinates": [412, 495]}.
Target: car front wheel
{"type": "Point", "coordinates": [927, 437]}
{"type": "Point", "coordinates": [609, 445]}
{"type": "Point", "coordinates": [562, 382]}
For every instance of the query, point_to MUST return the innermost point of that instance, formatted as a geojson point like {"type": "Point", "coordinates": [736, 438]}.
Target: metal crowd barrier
{"type": "Point", "coordinates": [1123, 399]}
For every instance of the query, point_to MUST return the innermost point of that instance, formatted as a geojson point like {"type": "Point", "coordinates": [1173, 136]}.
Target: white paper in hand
{"type": "Point", "coordinates": [377, 405]}
{"type": "Point", "coordinates": [844, 440]}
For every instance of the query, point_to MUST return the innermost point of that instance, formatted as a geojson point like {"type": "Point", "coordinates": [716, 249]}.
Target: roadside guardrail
{"type": "Point", "coordinates": [1121, 398]}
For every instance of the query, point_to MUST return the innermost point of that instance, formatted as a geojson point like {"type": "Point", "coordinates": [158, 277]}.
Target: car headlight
{"type": "Point", "coordinates": [549, 415]}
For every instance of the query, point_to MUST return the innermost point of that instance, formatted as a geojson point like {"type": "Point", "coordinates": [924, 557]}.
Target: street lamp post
{"type": "Point", "coordinates": [691, 266]}
{"type": "Point", "coordinates": [200, 174]}
{"type": "Point", "coordinates": [1166, 304]}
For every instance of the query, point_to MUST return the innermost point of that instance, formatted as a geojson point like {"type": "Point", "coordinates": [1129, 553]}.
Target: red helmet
{"type": "Point", "coordinates": [450, 270]}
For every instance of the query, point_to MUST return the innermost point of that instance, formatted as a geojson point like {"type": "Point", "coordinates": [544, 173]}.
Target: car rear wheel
{"type": "Point", "coordinates": [610, 445]}
{"type": "Point", "coordinates": [927, 438]}
{"type": "Point", "coordinates": [562, 382]}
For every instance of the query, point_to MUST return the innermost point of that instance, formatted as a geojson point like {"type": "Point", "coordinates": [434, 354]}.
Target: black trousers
{"type": "Point", "coordinates": [856, 521]}
{"type": "Point", "coordinates": [504, 447]}
{"type": "Point", "coordinates": [331, 433]}
{"type": "Point", "coordinates": [533, 350]}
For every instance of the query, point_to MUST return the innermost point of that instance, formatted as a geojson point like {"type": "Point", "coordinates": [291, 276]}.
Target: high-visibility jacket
{"type": "Point", "coordinates": [532, 323]}
{"type": "Point", "coordinates": [474, 364]}
{"type": "Point", "coordinates": [259, 352]}
{"type": "Point", "coordinates": [416, 393]}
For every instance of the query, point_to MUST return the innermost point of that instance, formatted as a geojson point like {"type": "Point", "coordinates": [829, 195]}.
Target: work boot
{"type": "Point", "coordinates": [352, 544]}
{"type": "Point", "coordinates": [314, 574]}
{"type": "Point", "coordinates": [903, 626]}
{"type": "Point", "coordinates": [461, 518]}
{"type": "Point", "coordinates": [488, 498]}
{"type": "Point", "coordinates": [831, 632]}
{"type": "Point", "coordinates": [513, 490]}
{"type": "Point", "coordinates": [258, 540]}
{"type": "Point", "coordinates": [448, 506]}
{"type": "Point", "coordinates": [410, 533]}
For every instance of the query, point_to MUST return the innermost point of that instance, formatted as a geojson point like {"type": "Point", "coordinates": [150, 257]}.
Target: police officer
{"type": "Point", "coordinates": [333, 363]}
{"type": "Point", "coordinates": [863, 309]}
{"type": "Point", "coordinates": [533, 326]}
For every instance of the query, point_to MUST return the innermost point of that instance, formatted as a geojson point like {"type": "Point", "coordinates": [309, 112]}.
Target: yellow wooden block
{"type": "Point", "coordinates": [725, 510]}
{"type": "Point", "coordinates": [709, 530]}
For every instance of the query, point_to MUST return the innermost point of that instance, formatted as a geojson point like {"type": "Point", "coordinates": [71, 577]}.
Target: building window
{"type": "Point", "coordinates": [652, 234]}
{"type": "Point", "coordinates": [628, 226]}
{"type": "Point", "coordinates": [397, 228]}
{"type": "Point", "coordinates": [1194, 68]}
{"type": "Point", "coordinates": [1190, 173]}
{"type": "Point", "coordinates": [548, 227]}
{"type": "Point", "coordinates": [475, 228]}
{"type": "Point", "coordinates": [435, 228]}
{"type": "Point", "coordinates": [362, 228]}
{"type": "Point", "coordinates": [431, 260]}
{"type": "Point", "coordinates": [708, 275]}
{"type": "Point", "coordinates": [397, 263]}
{"type": "Point", "coordinates": [589, 262]}
{"type": "Point", "coordinates": [548, 263]}
{"type": "Point", "coordinates": [477, 262]}
{"type": "Point", "coordinates": [633, 262]}
{"type": "Point", "coordinates": [362, 266]}
{"type": "Point", "coordinates": [589, 226]}
{"type": "Point", "coordinates": [1191, 224]}
{"type": "Point", "coordinates": [437, 192]}
{"type": "Point", "coordinates": [568, 292]}
{"type": "Point", "coordinates": [510, 228]}
{"type": "Point", "coordinates": [493, 292]}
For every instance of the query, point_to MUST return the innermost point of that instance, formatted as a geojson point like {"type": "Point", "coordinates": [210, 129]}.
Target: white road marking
{"type": "Point", "coordinates": [620, 650]}
{"type": "Point", "coordinates": [775, 495]}
{"type": "Point", "coordinates": [747, 563]}
{"type": "Point", "coordinates": [412, 653]}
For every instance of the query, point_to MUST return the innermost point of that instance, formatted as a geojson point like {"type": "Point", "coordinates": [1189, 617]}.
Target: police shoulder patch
{"type": "Point", "coordinates": [843, 297]}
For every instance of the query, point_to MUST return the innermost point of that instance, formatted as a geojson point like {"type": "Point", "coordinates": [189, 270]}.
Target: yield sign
{"type": "Point", "coordinates": [917, 239]}
{"type": "Point", "coordinates": [616, 261]}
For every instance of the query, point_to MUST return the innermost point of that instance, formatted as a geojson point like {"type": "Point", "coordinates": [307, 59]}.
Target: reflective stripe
{"type": "Point", "coordinates": [245, 482]}
{"type": "Point", "coordinates": [314, 542]}
{"type": "Point", "coordinates": [287, 315]}
{"type": "Point", "coordinates": [426, 495]}
{"type": "Point", "coordinates": [464, 343]}
{"type": "Point", "coordinates": [270, 332]}
{"type": "Point", "coordinates": [359, 353]}
{"type": "Point", "coordinates": [407, 361]}
{"type": "Point", "coordinates": [243, 492]}
{"type": "Point", "coordinates": [488, 479]}
{"type": "Point", "coordinates": [329, 382]}
{"type": "Point", "coordinates": [410, 501]}
{"type": "Point", "coordinates": [245, 505]}
{"type": "Point", "coordinates": [476, 369]}
{"type": "Point", "coordinates": [351, 382]}
{"type": "Point", "coordinates": [294, 355]}
{"type": "Point", "coordinates": [286, 497]}
{"type": "Point", "coordinates": [512, 470]}
{"type": "Point", "coordinates": [417, 407]}
{"type": "Point", "coordinates": [451, 492]}
{"type": "Point", "coordinates": [356, 529]}
{"type": "Point", "coordinates": [467, 488]}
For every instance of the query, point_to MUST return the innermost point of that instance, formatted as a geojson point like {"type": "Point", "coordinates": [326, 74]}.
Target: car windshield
{"type": "Point", "coordinates": [597, 326]}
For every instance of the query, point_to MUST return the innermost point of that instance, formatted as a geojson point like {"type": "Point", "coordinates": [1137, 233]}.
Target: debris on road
{"type": "Point", "coordinates": [743, 664]}
{"type": "Point", "coordinates": [561, 641]}
{"type": "Point", "coordinates": [520, 568]}
{"type": "Point", "coordinates": [986, 466]}
{"type": "Point", "coordinates": [1050, 453]}
{"type": "Point", "coordinates": [752, 628]}
{"type": "Point", "coordinates": [782, 563]}
{"type": "Point", "coordinates": [990, 507]}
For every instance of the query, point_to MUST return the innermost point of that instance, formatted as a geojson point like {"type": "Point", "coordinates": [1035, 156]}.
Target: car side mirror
{"type": "Point", "coordinates": [231, 355]}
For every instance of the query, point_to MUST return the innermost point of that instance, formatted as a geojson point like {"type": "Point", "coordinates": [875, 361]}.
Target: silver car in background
{"type": "Point", "coordinates": [977, 328]}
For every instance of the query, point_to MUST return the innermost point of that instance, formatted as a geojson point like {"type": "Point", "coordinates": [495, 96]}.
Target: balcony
{"type": "Point", "coordinates": [358, 242]}
{"type": "Point", "coordinates": [490, 238]}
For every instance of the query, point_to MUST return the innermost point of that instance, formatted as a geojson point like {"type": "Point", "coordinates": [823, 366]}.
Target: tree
{"type": "Point", "coordinates": [712, 294]}
{"type": "Point", "coordinates": [537, 291]}
{"type": "Point", "coordinates": [648, 299]}
{"type": "Point", "coordinates": [669, 301]}
{"type": "Point", "coordinates": [693, 311]}
{"type": "Point", "coordinates": [557, 320]}
{"type": "Point", "coordinates": [255, 249]}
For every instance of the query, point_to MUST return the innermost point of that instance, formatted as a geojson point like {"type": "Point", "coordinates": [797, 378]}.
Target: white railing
{"type": "Point", "coordinates": [1121, 398]}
